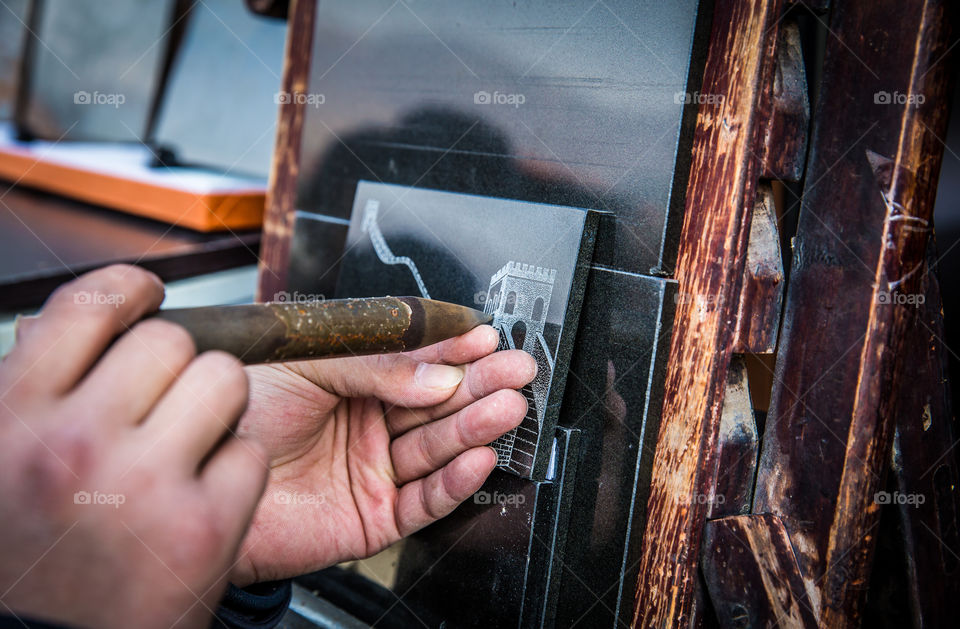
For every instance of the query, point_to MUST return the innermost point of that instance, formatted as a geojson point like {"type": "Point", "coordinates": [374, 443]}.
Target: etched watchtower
{"type": "Point", "coordinates": [519, 299]}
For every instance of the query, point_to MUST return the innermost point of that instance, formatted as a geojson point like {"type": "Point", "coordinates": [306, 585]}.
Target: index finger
{"type": "Point", "coordinates": [77, 324]}
{"type": "Point", "coordinates": [466, 348]}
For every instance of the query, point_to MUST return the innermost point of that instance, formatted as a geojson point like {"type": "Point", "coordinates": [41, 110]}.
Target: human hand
{"type": "Point", "coordinates": [364, 451]}
{"type": "Point", "coordinates": [123, 499]}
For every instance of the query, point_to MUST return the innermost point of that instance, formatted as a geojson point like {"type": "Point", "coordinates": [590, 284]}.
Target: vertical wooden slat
{"type": "Point", "coordinates": [710, 266]}
{"type": "Point", "coordinates": [281, 193]}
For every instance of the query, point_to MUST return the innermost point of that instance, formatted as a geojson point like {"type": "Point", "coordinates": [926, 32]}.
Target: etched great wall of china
{"type": "Point", "coordinates": [519, 299]}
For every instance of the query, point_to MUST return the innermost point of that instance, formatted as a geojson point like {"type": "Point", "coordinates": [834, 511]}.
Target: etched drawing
{"type": "Point", "coordinates": [381, 247]}
{"type": "Point", "coordinates": [519, 298]}
{"type": "Point", "coordinates": [524, 263]}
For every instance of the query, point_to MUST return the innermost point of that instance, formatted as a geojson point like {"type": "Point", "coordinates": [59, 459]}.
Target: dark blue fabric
{"type": "Point", "coordinates": [18, 622]}
{"type": "Point", "coordinates": [260, 606]}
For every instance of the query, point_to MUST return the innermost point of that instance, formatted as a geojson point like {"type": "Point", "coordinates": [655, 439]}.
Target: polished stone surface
{"type": "Point", "coordinates": [524, 263]}
{"type": "Point", "coordinates": [577, 104]}
{"type": "Point", "coordinates": [13, 29]}
{"type": "Point", "coordinates": [614, 397]}
{"type": "Point", "coordinates": [95, 68]}
{"type": "Point", "coordinates": [316, 250]}
{"type": "Point", "coordinates": [220, 106]}
{"type": "Point", "coordinates": [492, 563]}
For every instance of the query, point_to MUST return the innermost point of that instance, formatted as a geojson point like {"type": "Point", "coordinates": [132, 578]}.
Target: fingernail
{"type": "Point", "coordinates": [21, 323]}
{"type": "Point", "coordinates": [438, 376]}
{"type": "Point", "coordinates": [493, 337]}
{"type": "Point", "coordinates": [534, 368]}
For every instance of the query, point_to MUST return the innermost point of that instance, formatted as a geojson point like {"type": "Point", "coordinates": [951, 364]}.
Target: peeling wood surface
{"type": "Point", "coordinates": [709, 271]}
{"type": "Point", "coordinates": [864, 225]}
{"type": "Point", "coordinates": [761, 297]}
{"type": "Point", "coordinates": [752, 575]}
{"type": "Point", "coordinates": [737, 448]}
{"type": "Point", "coordinates": [281, 192]}
{"type": "Point", "coordinates": [785, 137]}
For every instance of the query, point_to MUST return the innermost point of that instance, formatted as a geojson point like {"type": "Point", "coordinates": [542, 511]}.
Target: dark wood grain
{"type": "Point", "coordinates": [737, 448]}
{"type": "Point", "coordinates": [863, 230]}
{"type": "Point", "coordinates": [924, 466]}
{"type": "Point", "coordinates": [785, 137]}
{"type": "Point", "coordinates": [281, 194]}
{"type": "Point", "coordinates": [710, 266]}
{"type": "Point", "coordinates": [761, 297]}
{"type": "Point", "coordinates": [752, 575]}
{"type": "Point", "coordinates": [46, 240]}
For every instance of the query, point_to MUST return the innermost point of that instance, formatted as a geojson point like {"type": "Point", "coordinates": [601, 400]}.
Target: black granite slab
{"type": "Point", "coordinates": [578, 104]}
{"type": "Point", "coordinates": [494, 561]}
{"type": "Point", "coordinates": [524, 263]}
{"type": "Point", "coordinates": [614, 397]}
{"type": "Point", "coordinates": [219, 106]}
{"type": "Point", "coordinates": [316, 249]}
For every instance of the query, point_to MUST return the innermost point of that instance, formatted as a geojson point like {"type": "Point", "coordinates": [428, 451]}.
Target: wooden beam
{"type": "Point", "coordinates": [710, 265]}
{"type": "Point", "coordinates": [785, 138]}
{"type": "Point", "coordinates": [761, 297]}
{"type": "Point", "coordinates": [926, 478]}
{"type": "Point", "coordinates": [737, 448]}
{"type": "Point", "coordinates": [858, 257]}
{"type": "Point", "coordinates": [752, 575]}
{"type": "Point", "coordinates": [282, 189]}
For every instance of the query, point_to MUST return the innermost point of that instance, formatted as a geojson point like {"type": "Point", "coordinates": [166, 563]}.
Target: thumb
{"type": "Point", "coordinates": [395, 379]}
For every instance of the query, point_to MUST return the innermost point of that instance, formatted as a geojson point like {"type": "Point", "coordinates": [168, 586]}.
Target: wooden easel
{"type": "Point", "coordinates": [859, 368]}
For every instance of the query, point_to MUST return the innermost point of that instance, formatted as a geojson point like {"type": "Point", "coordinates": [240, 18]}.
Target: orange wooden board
{"type": "Point", "coordinates": [207, 211]}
